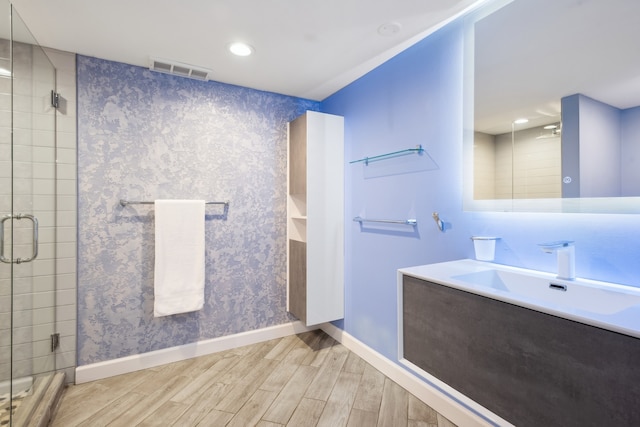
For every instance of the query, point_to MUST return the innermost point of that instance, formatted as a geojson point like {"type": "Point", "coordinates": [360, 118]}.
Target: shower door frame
{"type": "Point", "coordinates": [29, 225]}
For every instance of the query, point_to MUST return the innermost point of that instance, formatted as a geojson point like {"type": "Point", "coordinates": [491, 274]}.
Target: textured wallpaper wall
{"type": "Point", "coordinates": [145, 136]}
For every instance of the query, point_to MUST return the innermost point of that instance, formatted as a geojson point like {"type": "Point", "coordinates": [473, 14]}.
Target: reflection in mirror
{"type": "Point", "coordinates": [571, 68]}
{"type": "Point", "coordinates": [521, 164]}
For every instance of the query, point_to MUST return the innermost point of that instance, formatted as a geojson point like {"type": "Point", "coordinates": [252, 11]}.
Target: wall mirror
{"type": "Point", "coordinates": [552, 106]}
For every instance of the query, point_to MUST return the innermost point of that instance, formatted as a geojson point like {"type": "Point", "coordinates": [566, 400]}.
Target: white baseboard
{"type": "Point", "coordinates": [439, 401]}
{"type": "Point", "coordinates": [123, 365]}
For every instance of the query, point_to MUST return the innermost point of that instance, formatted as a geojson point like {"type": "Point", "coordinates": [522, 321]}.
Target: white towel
{"type": "Point", "coordinates": [179, 262]}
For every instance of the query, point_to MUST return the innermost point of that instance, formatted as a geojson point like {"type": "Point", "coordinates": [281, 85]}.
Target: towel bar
{"type": "Point", "coordinates": [411, 222]}
{"type": "Point", "coordinates": [130, 202]}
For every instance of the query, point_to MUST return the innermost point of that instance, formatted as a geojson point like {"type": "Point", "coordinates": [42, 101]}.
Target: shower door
{"type": "Point", "coordinates": [27, 218]}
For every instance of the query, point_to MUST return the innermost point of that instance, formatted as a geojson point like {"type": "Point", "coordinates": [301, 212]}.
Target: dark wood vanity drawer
{"type": "Point", "coordinates": [528, 367]}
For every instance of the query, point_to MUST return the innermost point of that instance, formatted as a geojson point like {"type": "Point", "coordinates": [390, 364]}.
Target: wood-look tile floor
{"type": "Point", "coordinates": [300, 380]}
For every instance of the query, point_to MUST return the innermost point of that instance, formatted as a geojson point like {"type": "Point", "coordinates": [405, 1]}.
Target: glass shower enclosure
{"type": "Point", "coordinates": [28, 339]}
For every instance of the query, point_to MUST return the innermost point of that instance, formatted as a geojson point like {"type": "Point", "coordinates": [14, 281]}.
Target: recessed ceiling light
{"type": "Point", "coordinates": [520, 121]}
{"type": "Point", "coordinates": [389, 29]}
{"type": "Point", "coordinates": [240, 49]}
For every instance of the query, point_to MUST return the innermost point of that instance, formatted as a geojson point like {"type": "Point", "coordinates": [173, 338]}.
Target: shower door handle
{"type": "Point", "coordinates": [34, 221]}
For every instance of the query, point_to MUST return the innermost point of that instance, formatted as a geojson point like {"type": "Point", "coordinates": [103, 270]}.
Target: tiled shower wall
{"type": "Point", "coordinates": [43, 290]}
{"type": "Point", "coordinates": [145, 136]}
{"type": "Point", "coordinates": [529, 169]}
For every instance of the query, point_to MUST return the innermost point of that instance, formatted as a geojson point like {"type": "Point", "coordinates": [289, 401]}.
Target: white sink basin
{"type": "Point", "coordinates": [602, 304]}
{"type": "Point", "coordinates": [577, 293]}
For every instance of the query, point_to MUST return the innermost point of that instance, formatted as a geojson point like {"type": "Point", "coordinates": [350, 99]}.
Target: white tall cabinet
{"type": "Point", "coordinates": [315, 218]}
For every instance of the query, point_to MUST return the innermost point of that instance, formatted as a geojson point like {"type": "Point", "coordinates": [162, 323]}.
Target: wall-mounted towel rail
{"type": "Point", "coordinates": [131, 202]}
{"type": "Point", "coordinates": [411, 222]}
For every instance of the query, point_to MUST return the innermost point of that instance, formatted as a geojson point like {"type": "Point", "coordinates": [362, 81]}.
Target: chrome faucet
{"type": "Point", "coordinates": [566, 257]}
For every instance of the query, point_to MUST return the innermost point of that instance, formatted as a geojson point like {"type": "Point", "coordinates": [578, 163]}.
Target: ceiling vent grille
{"type": "Point", "coordinates": [179, 69]}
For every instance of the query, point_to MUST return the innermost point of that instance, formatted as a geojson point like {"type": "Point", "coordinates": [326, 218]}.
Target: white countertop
{"type": "Point", "coordinates": [626, 320]}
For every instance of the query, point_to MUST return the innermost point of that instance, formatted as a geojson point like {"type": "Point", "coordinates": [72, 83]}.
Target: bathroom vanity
{"type": "Point", "coordinates": [463, 327]}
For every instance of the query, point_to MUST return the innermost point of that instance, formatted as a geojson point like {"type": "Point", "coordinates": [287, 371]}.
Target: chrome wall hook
{"type": "Point", "coordinates": [439, 222]}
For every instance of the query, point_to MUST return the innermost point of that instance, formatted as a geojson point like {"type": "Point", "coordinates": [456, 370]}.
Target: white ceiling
{"type": "Point", "coordinates": [530, 54]}
{"type": "Point", "coordinates": [304, 48]}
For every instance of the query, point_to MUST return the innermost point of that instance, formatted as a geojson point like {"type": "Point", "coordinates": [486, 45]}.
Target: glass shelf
{"type": "Point", "coordinates": [366, 160]}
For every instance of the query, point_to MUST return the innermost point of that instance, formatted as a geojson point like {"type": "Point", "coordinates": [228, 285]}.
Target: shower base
{"type": "Point", "coordinates": [21, 389]}
{"type": "Point", "coordinates": [20, 385]}
{"type": "Point", "coordinates": [34, 406]}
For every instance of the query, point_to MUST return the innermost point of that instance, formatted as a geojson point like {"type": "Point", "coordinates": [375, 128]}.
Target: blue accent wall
{"type": "Point", "coordinates": [417, 98]}
{"type": "Point", "coordinates": [146, 136]}
{"type": "Point", "coordinates": [591, 147]}
{"type": "Point", "coordinates": [630, 151]}
{"type": "Point", "coordinates": [600, 143]}
{"type": "Point", "coordinates": [570, 106]}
